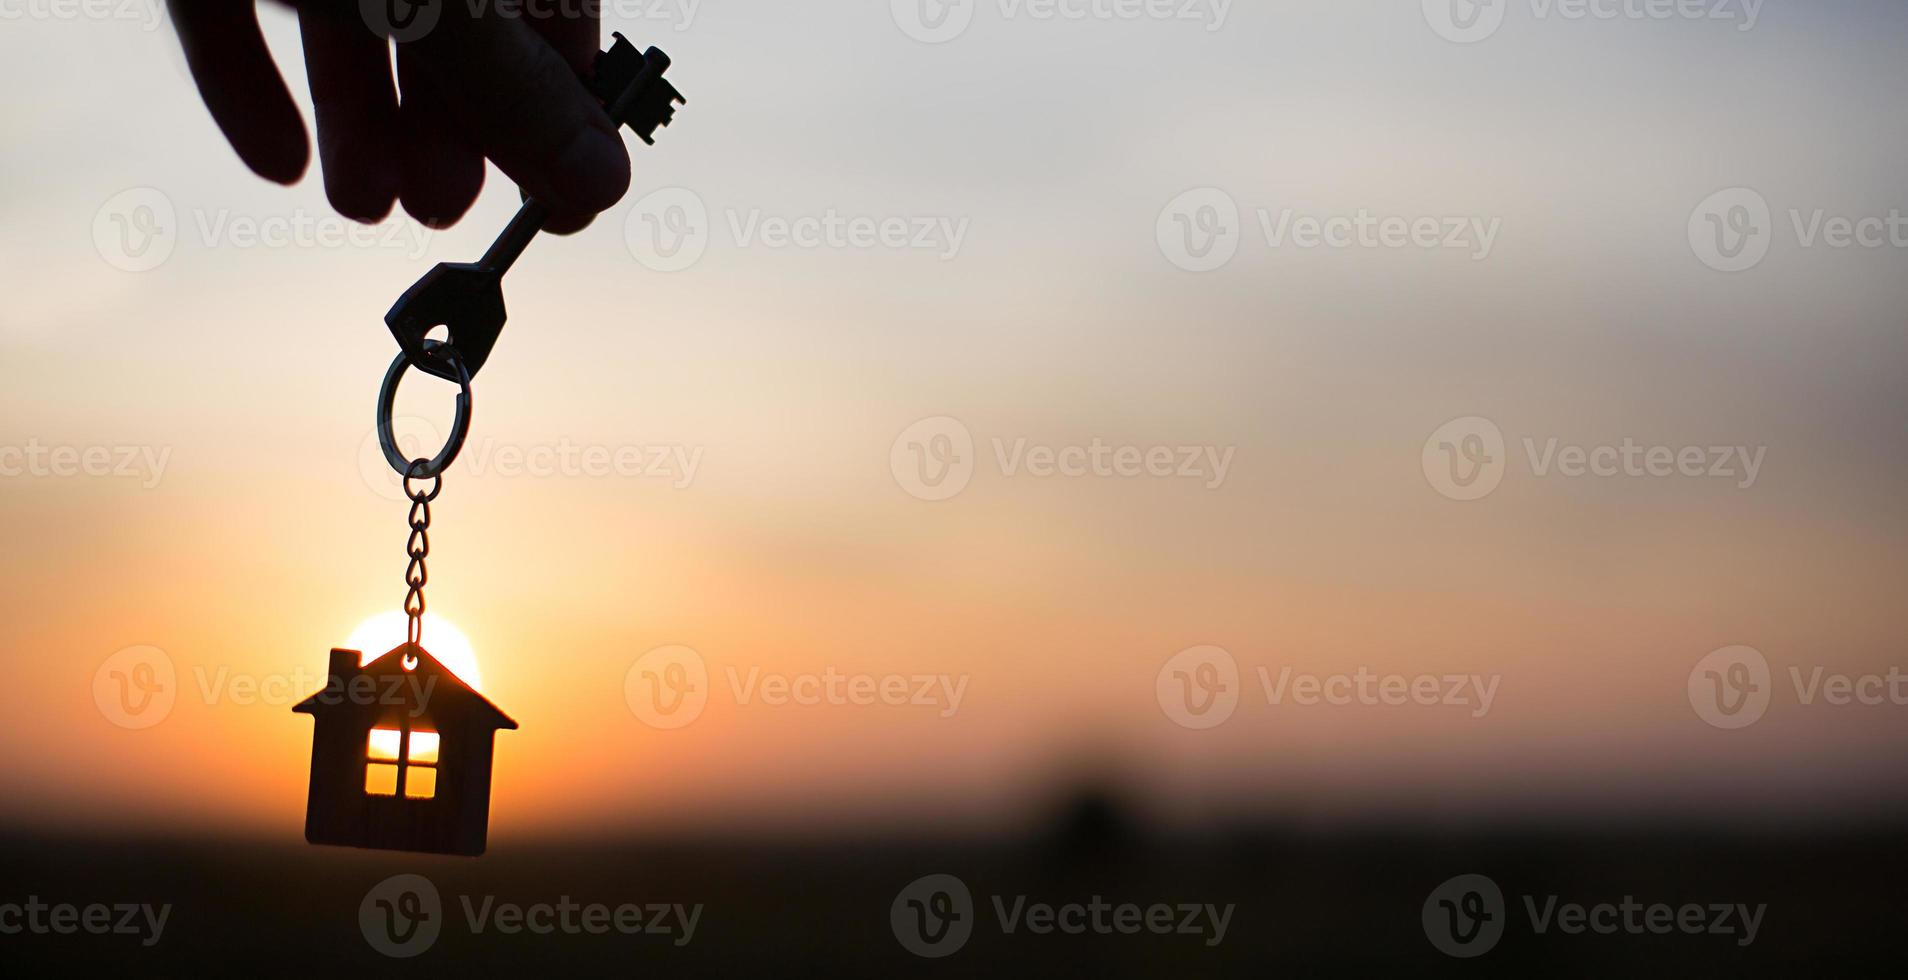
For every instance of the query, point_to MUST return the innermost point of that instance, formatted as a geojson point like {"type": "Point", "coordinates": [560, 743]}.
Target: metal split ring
{"type": "Point", "coordinates": [422, 469]}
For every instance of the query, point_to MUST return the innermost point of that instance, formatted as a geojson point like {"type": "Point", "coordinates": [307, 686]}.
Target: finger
{"type": "Point", "coordinates": [350, 72]}
{"type": "Point", "coordinates": [442, 170]}
{"type": "Point", "coordinates": [575, 37]}
{"type": "Point", "coordinates": [574, 34]}
{"type": "Point", "coordinates": [568, 222]}
{"type": "Point", "coordinates": [241, 86]}
{"type": "Point", "coordinates": [530, 112]}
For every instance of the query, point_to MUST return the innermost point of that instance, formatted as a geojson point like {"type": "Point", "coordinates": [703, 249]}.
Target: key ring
{"type": "Point", "coordinates": [460, 428]}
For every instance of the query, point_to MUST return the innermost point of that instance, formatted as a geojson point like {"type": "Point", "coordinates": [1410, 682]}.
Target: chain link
{"type": "Point", "coordinates": [418, 546]}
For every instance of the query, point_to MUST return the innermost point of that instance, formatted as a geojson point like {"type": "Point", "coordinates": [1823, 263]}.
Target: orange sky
{"type": "Point", "coordinates": [786, 377]}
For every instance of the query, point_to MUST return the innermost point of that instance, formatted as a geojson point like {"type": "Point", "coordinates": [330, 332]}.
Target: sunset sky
{"type": "Point", "coordinates": [778, 399]}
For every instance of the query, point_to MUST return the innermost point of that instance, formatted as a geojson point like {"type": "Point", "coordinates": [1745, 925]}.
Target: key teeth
{"type": "Point", "coordinates": [656, 107]}
{"type": "Point", "coordinates": [614, 70]}
{"type": "Point", "coordinates": [644, 110]}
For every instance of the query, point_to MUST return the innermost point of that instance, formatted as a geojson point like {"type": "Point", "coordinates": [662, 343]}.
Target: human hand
{"type": "Point", "coordinates": [474, 85]}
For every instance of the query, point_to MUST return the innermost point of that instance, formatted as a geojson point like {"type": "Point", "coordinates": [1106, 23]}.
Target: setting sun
{"type": "Point", "coordinates": [384, 632]}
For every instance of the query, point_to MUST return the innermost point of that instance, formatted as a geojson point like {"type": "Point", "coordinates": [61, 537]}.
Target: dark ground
{"type": "Point", "coordinates": [1306, 905]}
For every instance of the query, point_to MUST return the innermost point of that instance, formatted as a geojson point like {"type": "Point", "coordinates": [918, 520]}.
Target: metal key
{"type": "Point", "coordinates": [467, 298]}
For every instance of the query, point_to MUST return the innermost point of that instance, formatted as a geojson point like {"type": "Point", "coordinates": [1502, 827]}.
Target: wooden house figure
{"type": "Point", "coordinates": [400, 756]}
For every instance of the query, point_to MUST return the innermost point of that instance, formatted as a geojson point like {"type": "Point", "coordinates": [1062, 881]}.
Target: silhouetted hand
{"type": "Point", "coordinates": [473, 86]}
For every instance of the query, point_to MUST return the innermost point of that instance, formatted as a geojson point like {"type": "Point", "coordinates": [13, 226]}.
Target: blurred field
{"type": "Point", "coordinates": [1306, 905]}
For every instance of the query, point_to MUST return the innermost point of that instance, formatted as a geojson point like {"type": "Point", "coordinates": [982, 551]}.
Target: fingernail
{"type": "Point", "coordinates": [592, 172]}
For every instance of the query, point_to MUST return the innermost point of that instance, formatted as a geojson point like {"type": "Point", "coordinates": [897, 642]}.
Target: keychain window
{"type": "Point", "coordinates": [391, 764]}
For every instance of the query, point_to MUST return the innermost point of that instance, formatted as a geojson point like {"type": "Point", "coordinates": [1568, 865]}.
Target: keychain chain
{"type": "Point", "coordinates": [418, 547]}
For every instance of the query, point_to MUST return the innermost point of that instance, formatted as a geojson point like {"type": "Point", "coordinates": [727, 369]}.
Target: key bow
{"type": "Point", "coordinates": [467, 298]}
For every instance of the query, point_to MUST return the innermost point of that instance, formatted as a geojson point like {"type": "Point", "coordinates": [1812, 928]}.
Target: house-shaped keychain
{"type": "Point", "coordinates": [400, 747]}
{"type": "Point", "coordinates": [400, 756]}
